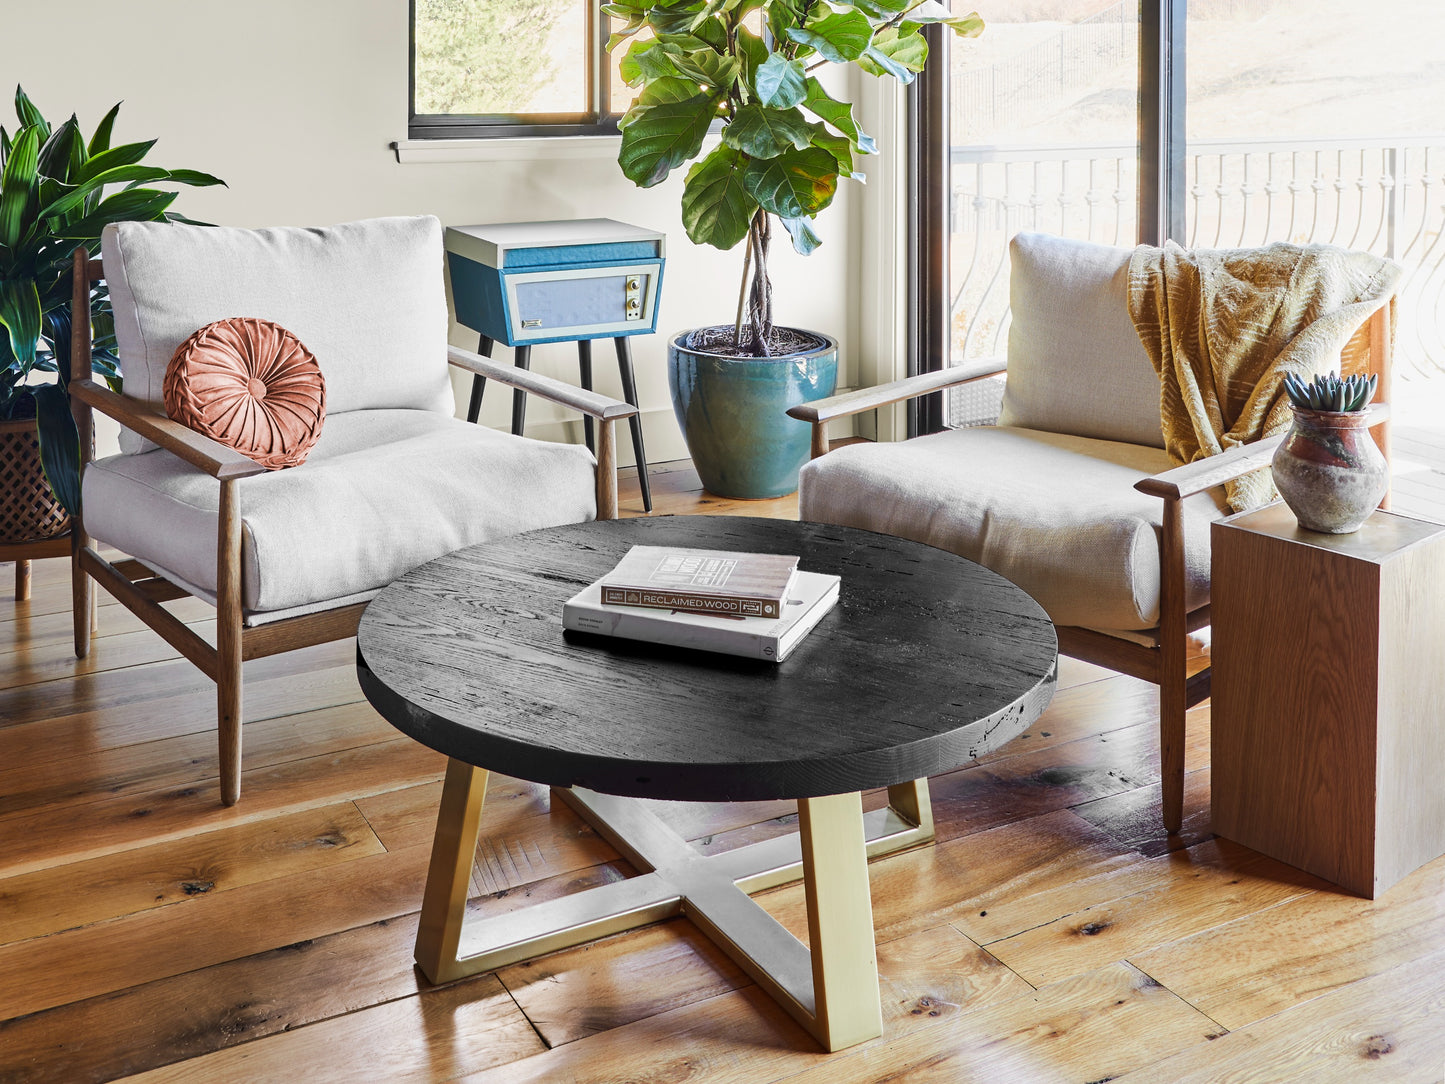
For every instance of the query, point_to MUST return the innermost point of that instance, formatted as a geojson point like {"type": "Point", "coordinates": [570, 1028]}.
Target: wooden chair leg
{"type": "Point", "coordinates": [228, 642]}
{"type": "Point", "coordinates": [1173, 663]}
{"type": "Point", "coordinates": [82, 595]}
{"type": "Point", "coordinates": [22, 580]}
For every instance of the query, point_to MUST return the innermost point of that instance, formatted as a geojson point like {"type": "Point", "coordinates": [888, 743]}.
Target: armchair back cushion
{"type": "Point", "coordinates": [1075, 362]}
{"type": "Point", "coordinates": [367, 299]}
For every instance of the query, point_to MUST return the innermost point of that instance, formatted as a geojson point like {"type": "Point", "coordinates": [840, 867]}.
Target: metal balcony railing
{"type": "Point", "coordinates": [1380, 195]}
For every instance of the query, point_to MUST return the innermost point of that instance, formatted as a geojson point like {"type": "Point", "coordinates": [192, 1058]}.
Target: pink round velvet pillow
{"type": "Point", "coordinates": [251, 385]}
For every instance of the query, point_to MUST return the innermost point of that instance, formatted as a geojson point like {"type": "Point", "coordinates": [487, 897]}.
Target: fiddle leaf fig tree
{"type": "Point", "coordinates": [786, 141]}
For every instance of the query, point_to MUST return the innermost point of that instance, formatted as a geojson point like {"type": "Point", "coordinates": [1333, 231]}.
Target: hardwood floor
{"type": "Point", "coordinates": [1052, 933]}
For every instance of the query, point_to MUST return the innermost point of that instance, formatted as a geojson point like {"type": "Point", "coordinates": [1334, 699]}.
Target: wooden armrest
{"type": "Point", "coordinates": [588, 402]}
{"type": "Point", "coordinates": [1202, 474]}
{"type": "Point", "coordinates": [856, 402]}
{"type": "Point", "coordinates": [198, 450]}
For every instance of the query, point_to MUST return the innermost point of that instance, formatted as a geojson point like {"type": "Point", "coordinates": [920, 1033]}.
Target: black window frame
{"type": "Point", "coordinates": [1161, 195]}
{"type": "Point", "coordinates": [598, 120]}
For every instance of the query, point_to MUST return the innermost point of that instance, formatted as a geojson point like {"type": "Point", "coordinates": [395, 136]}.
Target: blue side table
{"type": "Point", "coordinates": [521, 283]}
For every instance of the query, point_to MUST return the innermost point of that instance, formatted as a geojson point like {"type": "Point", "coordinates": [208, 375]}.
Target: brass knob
{"type": "Point", "coordinates": [634, 284]}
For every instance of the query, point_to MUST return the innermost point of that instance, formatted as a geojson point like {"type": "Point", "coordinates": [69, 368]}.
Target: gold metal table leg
{"type": "Point", "coordinates": [832, 991]}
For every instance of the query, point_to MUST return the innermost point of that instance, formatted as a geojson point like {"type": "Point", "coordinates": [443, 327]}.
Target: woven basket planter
{"type": "Point", "coordinates": [29, 512]}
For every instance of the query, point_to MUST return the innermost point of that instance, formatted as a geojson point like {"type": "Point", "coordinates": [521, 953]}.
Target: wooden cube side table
{"type": "Point", "coordinates": [1328, 717]}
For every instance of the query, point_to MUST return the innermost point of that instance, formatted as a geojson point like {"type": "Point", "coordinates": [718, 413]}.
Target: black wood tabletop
{"type": "Point", "coordinates": [927, 661]}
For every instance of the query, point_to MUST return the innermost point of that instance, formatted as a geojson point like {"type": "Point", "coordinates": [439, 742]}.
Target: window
{"type": "Point", "coordinates": [488, 68]}
{"type": "Point", "coordinates": [1089, 120]}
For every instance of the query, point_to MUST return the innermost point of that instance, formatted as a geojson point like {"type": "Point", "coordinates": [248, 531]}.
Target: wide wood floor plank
{"type": "Point", "coordinates": [74, 833]}
{"type": "Point", "coordinates": [207, 930]}
{"type": "Point", "coordinates": [162, 874]}
{"type": "Point", "coordinates": [184, 1016]}
{"type": "Point", "coordinates": [1386, 1028]}
{"type": "Point", "coordinates": [1192, 890]}
{"type": "Point", "coordinates": [436, 1035]}
{"type": "Point", "coordinates": [113, 772]}
{"type": "Point", "coordinates": [1267, 962]}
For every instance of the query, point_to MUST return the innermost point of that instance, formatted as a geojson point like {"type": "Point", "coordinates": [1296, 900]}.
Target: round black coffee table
{"type": "Point", "coordinates": [927, 661]}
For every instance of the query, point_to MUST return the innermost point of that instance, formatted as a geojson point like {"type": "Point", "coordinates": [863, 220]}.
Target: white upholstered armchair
{"type": "Point", "coordinates": [1071, 495]}
{"type": "Point", "coordinates": [289, 557]}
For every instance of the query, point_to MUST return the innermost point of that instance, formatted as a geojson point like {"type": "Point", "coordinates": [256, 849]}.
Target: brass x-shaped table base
{"type": "Point", "coordinates": [831, 991]}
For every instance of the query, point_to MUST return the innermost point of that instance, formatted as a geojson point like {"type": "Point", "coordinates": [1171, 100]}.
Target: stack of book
{"type": "Point", "coordinates": [757, 605]}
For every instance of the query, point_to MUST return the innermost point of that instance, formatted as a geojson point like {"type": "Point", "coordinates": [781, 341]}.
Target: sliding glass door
{"type": "Point", "coordinates": [1303, 120]}
{"type": "Point", "coordinates": [1042, 133]}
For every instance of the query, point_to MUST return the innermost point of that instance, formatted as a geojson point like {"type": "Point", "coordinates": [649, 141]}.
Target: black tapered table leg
{"type": "Point", "coordinates": [584, 365]}
{"type": "Point", "coordinates": [479, 383]}
{"type": "Point", "coordinates": [629, 393]}
{"type": "Point", "coordinates": [522, 359]}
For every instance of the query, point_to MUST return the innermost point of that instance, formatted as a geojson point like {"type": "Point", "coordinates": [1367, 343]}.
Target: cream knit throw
{"type": "Point", "coordinates": [1223, 327]}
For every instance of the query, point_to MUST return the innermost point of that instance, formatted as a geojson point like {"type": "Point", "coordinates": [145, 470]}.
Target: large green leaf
{"type": "Point", "coordinates": [839, 115]}
{"type": "Point", "coordinates": [883, 9]}
{"type": "Point", "coordinates": [28, 114]}
{"type": "Point", "coordinates": [805, 238]}
{"type": "Point", "coordinates": [841, 148]}
{"type": "Point", "coordinates": [966, 26]}
{"type": "Point", "coordinates": [659, 92]}
{"type": "Point", "coordinates": [59, 444]}
{"type": "Point", "coordinates": [761, 132]}
{"type": "Point", "coordinates": [18, 184]}
{"type": "Point", "coordinates": [20, 313]}
{"type": "Point", "coordinates": [898, 50]}
{"type": "Point", "coordinates": [72, 197]}
{"type": "Point", "coordinates": [708, 68]}
{"type": "Point", "coordinates": [662, 137]}
{"type": "Point", "coordinates": [794, 184]}
{"type": "Point", "coordinates": [716, 207]}
{"type": "Point", "coordinates": [753, 53]}
{"type": "Point", "coordinates": [100, 140]}
{"type": "Point", "coordinates": [875, 62]}
{"type": "Point", "coordinates": [781, 83]}
{"type": "Point", "coordinates": [128, 154]}
{"type": "Point", "coordinates": [839, 37]}
{"type": "Point", "coordinates": [648, 59]}
{"type": "Point", "coordinates": [133, 205]}
{"type": "Point", "coordinates": [58, 151]}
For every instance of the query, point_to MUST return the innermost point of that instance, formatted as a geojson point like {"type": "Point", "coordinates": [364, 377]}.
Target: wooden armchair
{"type": "Point", "coordinates": [1071, 496]}
{"type": "Point", "coordinates": [289, 558]}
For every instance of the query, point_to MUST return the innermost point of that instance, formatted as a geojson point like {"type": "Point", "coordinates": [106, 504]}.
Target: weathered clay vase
{"type": "Point", "coordinates": [1329, 470]}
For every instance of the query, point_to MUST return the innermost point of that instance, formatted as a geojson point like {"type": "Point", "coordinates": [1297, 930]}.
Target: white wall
{"type": "Point", "coordinates": [294, 104]}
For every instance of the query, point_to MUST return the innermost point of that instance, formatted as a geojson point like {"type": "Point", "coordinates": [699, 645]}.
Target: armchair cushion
{"type": "Point", "coordinates": [382, 492]}
{"type": "Point", "coordinates": [366, 298]}
{"type": "Point", "coordinates": [1056, 514]}
{"type": "Point", "coordinates": [1075, 362]}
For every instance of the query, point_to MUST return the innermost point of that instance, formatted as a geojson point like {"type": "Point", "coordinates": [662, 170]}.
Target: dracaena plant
{"type": "Point", "coordinates": [786, 141]}
{"type": "Point", "coordinates": [53, 198]}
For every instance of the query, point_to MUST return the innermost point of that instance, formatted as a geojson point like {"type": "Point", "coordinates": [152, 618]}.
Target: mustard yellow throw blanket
{"type": "Point", "coordinates": [1223, 327]}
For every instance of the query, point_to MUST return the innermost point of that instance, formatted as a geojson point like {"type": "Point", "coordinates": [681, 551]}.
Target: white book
{"type": "Point", "coordinates": [813, 594]}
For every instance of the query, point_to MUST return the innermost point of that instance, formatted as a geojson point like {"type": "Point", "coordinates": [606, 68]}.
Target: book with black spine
{"type": "Point", "coordinates": [767, 638]}
{"type": "Point", "coordinates": [700, 581]}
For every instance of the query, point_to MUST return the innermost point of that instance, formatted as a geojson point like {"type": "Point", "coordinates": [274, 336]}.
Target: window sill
{"type": "Point", "coordinates": [531, 148]}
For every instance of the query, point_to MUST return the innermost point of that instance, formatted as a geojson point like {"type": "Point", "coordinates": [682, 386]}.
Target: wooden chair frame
{"type": "Point", "coordinates": [1165, 662]}
{"type": "Point", "coordinates": [141, 590]}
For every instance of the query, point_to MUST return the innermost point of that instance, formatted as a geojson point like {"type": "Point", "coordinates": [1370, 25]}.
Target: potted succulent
{"type": "Point", "coordinates": [1328, 470]}
{"type": "Point", "coordinates": [786, 144]}
{"type": "Point", "coordinates": [52, 199]}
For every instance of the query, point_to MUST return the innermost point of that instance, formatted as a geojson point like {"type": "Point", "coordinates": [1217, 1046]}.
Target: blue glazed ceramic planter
{"type": "Point", "coordinates": [733, 414]}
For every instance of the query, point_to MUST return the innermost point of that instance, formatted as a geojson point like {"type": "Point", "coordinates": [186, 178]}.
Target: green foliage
{"type": "Point", "coordinates": [52, 199]}
{"type": "Point", "coordinates": [482, 56]}
{"type": "Point", "coordinates": [1330, 393]}
{"type": "Point", "coordinates": [786, 143]}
